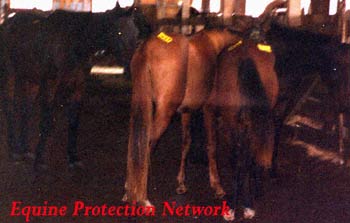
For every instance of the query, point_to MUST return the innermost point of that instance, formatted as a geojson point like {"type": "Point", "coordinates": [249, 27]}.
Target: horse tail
{"type": "Point", "coordinates": [140, 129]}
{"type": "Point", "coordinates": [258, 119]}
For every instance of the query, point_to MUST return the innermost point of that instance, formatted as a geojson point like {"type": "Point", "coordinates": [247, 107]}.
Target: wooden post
{"type": "Point", "coordinates": [2, 11]}
{"type": "Point", "coordinates": [205, 5]}
{"type": "Point", "coordinates": [227, 7]}
{"type": "Point", "coordinates": [161, 9]}
{"type": "Point", "coordinates": [185, 28]}
{"type": "Point", "coordinates": [320, 7]}
{"type": "Point", "coordinates": [341, 116]}
{"type": "Point", "coordinates": [344, 17]}
{"type": "Point", "coordinates": [239, 7]}
{"type": "Point", "coordinates": [294, 13]}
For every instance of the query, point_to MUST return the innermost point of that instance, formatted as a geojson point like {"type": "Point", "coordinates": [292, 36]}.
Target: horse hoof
{"type": "Point", "coordinates": [125, 198]}
{"type": "Point", "coordinates": [181, 189]}
{"type": "Point", "coordinates": [150, 208]}
{"type": "Point", "coordinates": [248, 213]}
{"type": "Point", "coordinates": [220, 194]}
{"type": "Point", "coordinates": [230, 215]}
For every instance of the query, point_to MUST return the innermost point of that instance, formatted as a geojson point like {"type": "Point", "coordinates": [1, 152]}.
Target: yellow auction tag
{"type": "Point", "coordinates": [234, 46]}
{"type": "Point", "coordinates": [164, 37]}
{"type": "Point", "coordinates": [265, 48]}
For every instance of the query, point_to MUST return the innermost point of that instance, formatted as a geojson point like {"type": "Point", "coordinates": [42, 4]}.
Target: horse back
{"type": "Point", "coordinates": [200, 71]}
{"type": "Point", "coordinates": [246, 76]}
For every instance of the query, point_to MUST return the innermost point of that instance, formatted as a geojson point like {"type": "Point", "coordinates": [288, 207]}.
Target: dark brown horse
{"type": "Point", "coordinates": [302, 54]}
{"type": "Point", "coordinates": [169, 73]}
{"type": "Point", "coordinates": [244, 94]}
{"type": "Point", "coordinates": [48, 58]}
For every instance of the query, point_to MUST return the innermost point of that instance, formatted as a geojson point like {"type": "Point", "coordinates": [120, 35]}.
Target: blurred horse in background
{"type": "Point", "coordinates": [301, 54]}
{"type": "Point", "coordinates": [48, 58]}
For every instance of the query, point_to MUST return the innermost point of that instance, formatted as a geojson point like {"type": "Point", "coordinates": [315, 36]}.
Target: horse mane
{"type": "Point", "coordinates": [142, 23]}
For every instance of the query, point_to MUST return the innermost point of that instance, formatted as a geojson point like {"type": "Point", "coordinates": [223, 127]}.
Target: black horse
{"type": "Point", "coordinates": [302, 54]}
{"type": "Point", "coordinates": [49, 57]}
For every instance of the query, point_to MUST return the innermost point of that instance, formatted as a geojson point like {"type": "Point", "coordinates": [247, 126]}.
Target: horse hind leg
{"type": "Point", "coordinates": [46, 117]}
{"type": "Point", "coordinates": [186, 142]}
{"type": "Point", "coordinates": [45, 124]}
{"type": "Point", "coordinates": [72, 112]}
{"type": "Point", "coordinates": [9, 110]}
{"type": "Point", "coordinates": [162, 117]}
{"type": "Point", "coordinates": [18, 115]}
{"type": "Point", "coordinates": [26, 110]}
{"type": "Point", "coordinates": [211, 127]}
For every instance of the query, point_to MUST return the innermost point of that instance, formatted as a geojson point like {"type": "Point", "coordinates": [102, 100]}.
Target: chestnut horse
{"type": "Point", "coordinates": [244, 94]}
{"type": "Point", "coordinates": [169, 73]}
{"type": "Point", "coordinates": [48, 58]}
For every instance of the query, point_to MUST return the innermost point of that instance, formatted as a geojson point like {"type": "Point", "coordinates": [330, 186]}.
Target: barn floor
{"type": "Point", "coordinates": [307, 189]}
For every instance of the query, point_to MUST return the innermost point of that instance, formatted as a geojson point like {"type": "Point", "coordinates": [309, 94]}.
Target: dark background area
{"type": "Point", "coordinates": [306, 190]}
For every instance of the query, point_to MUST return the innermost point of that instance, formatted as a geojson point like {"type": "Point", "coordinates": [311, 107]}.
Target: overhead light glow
{"type": "Point", "coordinates": [215, 6]}
{"type": "Point", "coordinates": [104, 5]}
{"type": "Point", "coordinates": [197, 4]}
{"type": "Point", "coordinates": [305, 4]}
{"type": "Point", "coordinates": [333, 6]}
{"type": "Point", "coordinates": [45, 5]}
{"type": "Point", "coordinates": [255, 8]}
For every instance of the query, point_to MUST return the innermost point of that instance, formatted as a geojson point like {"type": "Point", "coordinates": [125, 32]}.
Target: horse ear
{"type": "Point", "coordinates": [117, 9]}
{"type": "Point", "coordinates": [131, 9]}
{"type": "Point", "coordinates": [117, 5]}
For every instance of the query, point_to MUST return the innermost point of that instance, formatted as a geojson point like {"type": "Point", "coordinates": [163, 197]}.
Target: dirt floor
{"type": "Point", "coordinates": [307, 189]}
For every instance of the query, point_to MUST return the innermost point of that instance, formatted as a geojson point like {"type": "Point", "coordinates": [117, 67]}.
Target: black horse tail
{"type": "Point", "coordinates": [256, 115]}
{"type": "Point", "coordinates": [138, 159]}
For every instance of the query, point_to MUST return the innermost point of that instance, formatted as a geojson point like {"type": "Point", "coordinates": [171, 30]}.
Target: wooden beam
{"type": "Point", "coordinates": [239, 7]}
{"type": "Point", "coordinates": [227, 6]}
{"type": "Point", "coordinates": [205, 5]}
{"type": "Point", "coordinates": [294, 13]}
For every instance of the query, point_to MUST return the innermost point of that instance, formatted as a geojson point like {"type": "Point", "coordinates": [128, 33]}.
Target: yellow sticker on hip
{"type": "Point", "coordinates": [164, 37]}
{"type": "Point", "coordinates": [265, 48]}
